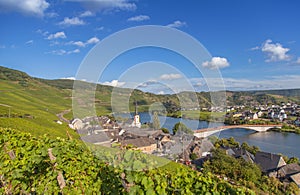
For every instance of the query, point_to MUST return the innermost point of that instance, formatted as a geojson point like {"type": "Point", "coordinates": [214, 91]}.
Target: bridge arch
{"type": "Point", "coordinates": [209, 131]}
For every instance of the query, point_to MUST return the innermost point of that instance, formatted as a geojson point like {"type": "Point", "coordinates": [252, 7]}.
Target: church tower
{"type": "Point", "coordinates": [136, 120]}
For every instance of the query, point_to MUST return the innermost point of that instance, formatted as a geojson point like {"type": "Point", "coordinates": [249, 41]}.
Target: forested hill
{"type": "Point", "coordinates": [103, 93]}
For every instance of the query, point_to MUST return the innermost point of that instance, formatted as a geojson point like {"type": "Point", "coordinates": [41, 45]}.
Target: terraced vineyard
{"type": "Point", "coordinates": [46, 165]}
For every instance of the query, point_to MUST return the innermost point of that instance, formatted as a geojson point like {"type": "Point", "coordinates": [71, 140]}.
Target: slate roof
{"type": "Point", "coordinates": [239, 153]}
{"type": "Point", "coordinates": [139, 142]}
{"type": "Point", "coordinates": [96, 138]}
{"type": "Point", "coordinates": [242, 153]}
{"type": "Point", "coordinates": [206, 145]}
{"type": "Point", "coordinates": [142, 132]}
{"type": "Point", "coordinates": [296, 178]}
{"type": "Point", "coordinates": [288, 170]}
{"type": "Point", "coordinates": [268, 161]}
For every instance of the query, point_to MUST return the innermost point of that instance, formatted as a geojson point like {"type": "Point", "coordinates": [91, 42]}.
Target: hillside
{"type": "Point", "coordinates": [43, 165]}
{"type": "Point", "coordinates": [34, 102]}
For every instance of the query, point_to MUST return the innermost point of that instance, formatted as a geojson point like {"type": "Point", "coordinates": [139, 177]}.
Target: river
{"type": "Point", "coordinates": [274, 142]}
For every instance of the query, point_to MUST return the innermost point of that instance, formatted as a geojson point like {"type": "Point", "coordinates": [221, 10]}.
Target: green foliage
{"type": "Point", "coordinates": [289, 128]}
{"type": "Point", "coordinates": [251, 149]}
{"type": "Point", "coordinates": [236, 169]}
{"type": "Point", "coordinates": [245, 173]}
{"type": "Point", "coordinates": [26, 168]}
{"type": "Point", "coordinates": [181, 128]}
{"type": "Point", "coordinates": [293, 160]}
{"type": "Point", "coordinates": [230, 142]}
{"type": "Point", "coordinates": [165, 130]}
{"type": "Point", "coordinates": [31, 170]}
{"type": "Point", "coordinates": [193, 156]}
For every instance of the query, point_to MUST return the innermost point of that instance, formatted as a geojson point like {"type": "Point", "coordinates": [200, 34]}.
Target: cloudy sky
{"type": "Point", "coordinates": [255, 44]}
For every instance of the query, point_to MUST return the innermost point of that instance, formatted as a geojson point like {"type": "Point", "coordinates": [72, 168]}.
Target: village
{"type": "Point", "coordinates": [185, 147]}
{"type": "Point", "coordinates": [288, 113]}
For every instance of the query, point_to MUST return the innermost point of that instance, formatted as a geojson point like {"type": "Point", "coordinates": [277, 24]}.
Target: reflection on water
{"type": "Point", "coordinates": [169, 122]}
{"type": "Point", "coordinates": [270, 141]}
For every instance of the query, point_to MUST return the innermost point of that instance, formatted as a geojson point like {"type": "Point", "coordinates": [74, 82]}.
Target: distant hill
{"type": "Point", "coordinates": [35, 102]}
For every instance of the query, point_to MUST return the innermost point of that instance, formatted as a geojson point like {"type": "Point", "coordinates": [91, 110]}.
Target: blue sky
{"type": "Point", "coordinates": [254, 44]}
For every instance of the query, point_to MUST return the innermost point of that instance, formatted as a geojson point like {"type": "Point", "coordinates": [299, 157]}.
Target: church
{"type": "Point", "coordinates": [136, 120]}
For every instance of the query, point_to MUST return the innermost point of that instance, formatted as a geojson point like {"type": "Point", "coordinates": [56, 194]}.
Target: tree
{"type": "Point", "coordinates": [293, 160]}
{"type": "Point", "coordinates": [156, 122]}
{"type": "Point", "coordinates": [165, 130]}
{"type": "Point", "coordinates": [181, 128]}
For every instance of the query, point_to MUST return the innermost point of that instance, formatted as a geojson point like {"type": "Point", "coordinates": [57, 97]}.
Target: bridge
{"type": "Point", "coordinates": [209, 131]}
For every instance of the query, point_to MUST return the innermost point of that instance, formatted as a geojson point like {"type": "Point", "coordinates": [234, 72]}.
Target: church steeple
{"type": "Point", "coordinates": [136, 109]}
{"type": "Point", "coordinates": [136, 120]}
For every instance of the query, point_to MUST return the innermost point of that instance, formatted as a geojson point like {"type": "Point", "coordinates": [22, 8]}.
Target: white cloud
{"type": "Point", "coordinates": [57, 35]}
{"type": "Point", "coordinates": [52, 15]}
{"type": "Point", "coordinates": [35, 7]}
{"type": "Point", "coordinates": [76, 43]}
{"type": "Point", "coordinates": [71, 22]}
{"type": "Point", "coordinates": [255, 48]}
{"type": "Point", "coordinates": [63, 52]}
{"type": "Point", "coordinates": [275, 82]}
{"type": "Point", "coordinates": [68, 78]}
{"type": "Point", "coordinates": [275, 51]}
{"type": "Point", "coordinates": [42, 32]}
{"type": "Point", "coordinates": [107, 5]}
{"type": "Point", "coordinates": [236, 84]}
{"type": "Point", "coordinates": [73, 51]}
{"type": "Point", "coordinates": [29, 42]}
{"type": "Point", "coordinates": [177, 24]}
{"type": "Point", "coordinates": [170, 76]}
{"type": "Point", "coordinates": [92, 40]}
{"type": "Point", "coordinates": [138, 18]}
{"type": "Point", "coordinates": [161, 93]}
{"type": "Point", "coordinates": [114, 83]}
{"type": "Point", "coordinates": [216, 62]}
{"type": "Point", "coordinates": [53, 43]}
{"type": "Point", "coordinates": [99, 28]}
{"type": "Point", "coordinates": [58, 52]}
{"type": "Point", "coordinates": [86, 14]}
{"type": "Point", "coordinates": [298, 60]}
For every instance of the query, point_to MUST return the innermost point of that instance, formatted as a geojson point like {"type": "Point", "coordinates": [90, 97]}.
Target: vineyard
{"type": "Point", "coordinates": [43, 165]}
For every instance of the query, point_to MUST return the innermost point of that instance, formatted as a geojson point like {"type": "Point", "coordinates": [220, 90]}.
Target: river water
{"type": "Point", "coordinates": [274, 142]}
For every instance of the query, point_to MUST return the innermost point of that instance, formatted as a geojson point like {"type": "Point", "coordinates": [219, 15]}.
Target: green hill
{"type": "Point", "coordinates": [34, 102]}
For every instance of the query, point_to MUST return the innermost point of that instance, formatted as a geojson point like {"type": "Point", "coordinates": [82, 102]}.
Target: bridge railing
{"type": "Point", "coordinates": [233, 126]}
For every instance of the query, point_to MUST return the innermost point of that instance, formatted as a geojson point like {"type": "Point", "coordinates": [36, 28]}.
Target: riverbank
{"type": "Point", "coordinates": [199, 115]}
{"type": "Point", "coordinates": [289, 129]}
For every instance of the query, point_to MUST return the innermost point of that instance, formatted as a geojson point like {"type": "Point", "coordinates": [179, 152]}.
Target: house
{"type": "Point", "coordinates": [240, 153]}
{"type": "Point", "coordinates": [269, 162]}
{"type": "Point", "coordinates": [146, 145]}
{"type": "Point", "coordinates": [100, 138]}
{"type": "Point", "coordinates": [58, 122]}
{"type": "Point", "coordinates": [288, 170]}
{"type": "Point", "coordinates": [163, 140]}
{"type": "Point", "coordinates": [296, 178]}
{"type": "Point", "coordinates": [76, 124]}
{"type": "Point", "coordinates": [260, 114]}
{"type": "Point", "coordinates": [206, 147]}
{"type": "Point", "coordinates": [297, 122]}
{"type": "Point", "coordinates": [255, 116]}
